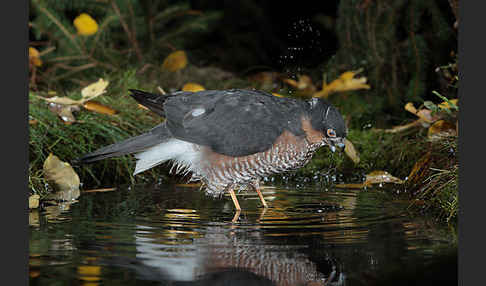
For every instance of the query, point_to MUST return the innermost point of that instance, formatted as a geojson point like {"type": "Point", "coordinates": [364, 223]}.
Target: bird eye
{"type": "Point", "coordinates": [331, 133]}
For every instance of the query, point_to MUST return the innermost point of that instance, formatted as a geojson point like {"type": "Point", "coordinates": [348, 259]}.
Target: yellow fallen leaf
{"type": "Point", "coordinates": [290, 82]}
{"type": "Point", "coordinates": [175, 61]}
{"type": "Point", "coordinates": [410, 108]}
{"type": "Point", "coordinates": [375, 177]}
{"type": "Point", "coordinates": [95, 89]}
{"type": "Point", "coordinates": [34, 57]}
{"type": "Point", "coordinates": [85, 25]}
{"type": "Point", "coordinates": [378, 177]}
{"type": "Point", "coordinates": [277, 95]}
{"type": "Point", "coordinates": [191, 86]}
{"type": "Point", "coordinates": [34, 201]}
{"type": "Point", "coordinates": [61, 100]}
{"type": "Point", "coordinates": [441, 129]}
{"type": "Point", "coordinates": [98, 107]}
{"type": "Point", "coordinates": [89, 92]}
{"type": "Point", "coordinates": [351, 151]}
{"type": "Point", "coordinates": [345, 82]}
{"type": "Point", "coordinates": [63, 177]}
{"type": "Point", "coordinates": [446, 105]}
{"type": "Point", "coordinates": [303, 84]}
{"type": "Point", "coordinates": [143, 107]}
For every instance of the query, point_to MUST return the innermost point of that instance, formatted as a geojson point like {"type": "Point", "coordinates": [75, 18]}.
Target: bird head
{"type": "Point", "coordinates": [327, 119]}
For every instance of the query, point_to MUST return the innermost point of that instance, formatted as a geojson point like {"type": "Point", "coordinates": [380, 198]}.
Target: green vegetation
{"type": "Point", "coordinates": [91, 131]}
{"type": "Point", "coordinates": [392, 42]}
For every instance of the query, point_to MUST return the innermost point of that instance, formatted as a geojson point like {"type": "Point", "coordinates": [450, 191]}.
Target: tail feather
{"type": "Point", "coordinates": [136, 144]}
{"type": "Point", "coordinates": [152, 101]}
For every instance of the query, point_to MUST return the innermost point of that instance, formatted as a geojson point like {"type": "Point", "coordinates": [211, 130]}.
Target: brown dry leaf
{"type": "Point", "coordinates": [63, 177]}
{"type": "Point", "coordinates": [351, 151]}
{"type": "Point", "coordinates": [345, 82]}
{"type": "Point", "coordinates": [378, 177]}
{"type": "Point", "coordinates": [98, 107]}
{"type": "Point", "coordinates": [440, 130]}
{"type": "Point", "coordinates": [33, 122]}
{"type": "Point", "coordinates": [175, 61]}
{"type": "Point", "coordinates": [34, 201]}
{"type": "Point", "coordinates": [194, 87]}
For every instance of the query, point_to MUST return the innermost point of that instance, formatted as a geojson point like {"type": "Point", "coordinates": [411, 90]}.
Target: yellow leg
{"type": "Point", "coordinates": [262, 199]}
{"type": "Point", "coordinates": [235, 200]}
{"type": "Point", "coordinates": [256, 185]}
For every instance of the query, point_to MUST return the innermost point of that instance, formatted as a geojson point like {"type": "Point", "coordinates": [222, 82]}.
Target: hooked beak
{"type": "Point", "coordinates": [336, 143]}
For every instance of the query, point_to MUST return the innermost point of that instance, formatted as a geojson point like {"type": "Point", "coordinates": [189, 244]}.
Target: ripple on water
{"type": "Point", "coordinates": [178, 234]}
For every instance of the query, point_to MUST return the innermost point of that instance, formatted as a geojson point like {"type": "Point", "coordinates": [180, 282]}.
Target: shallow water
{"type": "Point", "coordinates": [175, 235]}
